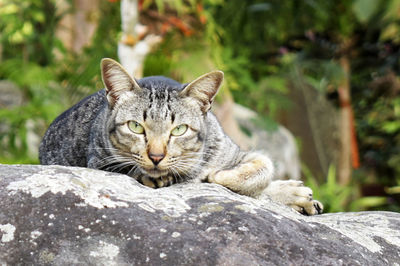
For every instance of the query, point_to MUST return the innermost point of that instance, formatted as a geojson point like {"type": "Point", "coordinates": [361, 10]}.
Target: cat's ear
{"type": "Point", "coordinates": [116, 80]}
{"type": "Point", "coordinates": [204, 89]}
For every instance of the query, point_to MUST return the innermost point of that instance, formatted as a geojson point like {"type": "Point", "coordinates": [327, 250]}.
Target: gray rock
{"type": "Point", "coordinates": [279, 143]}
{"type": "Point", "coordinates": [53, 215]}
{"type": "Point", "coordinates": [10, 94]}
{"type": "Point", "coordinates": [12, 97]}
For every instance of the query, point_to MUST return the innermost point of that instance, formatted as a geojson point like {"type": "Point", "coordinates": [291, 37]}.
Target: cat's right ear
{"type": "Point", "coordinates": [204, 89]}
{"type": "Point", "coordinates": [116, 80]}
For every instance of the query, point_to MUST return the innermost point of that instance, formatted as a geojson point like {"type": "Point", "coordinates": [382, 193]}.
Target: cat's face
{"type": "Point", "coordinates": [157, 122]}
{"type": "Point", "coordinates": [161, 136]}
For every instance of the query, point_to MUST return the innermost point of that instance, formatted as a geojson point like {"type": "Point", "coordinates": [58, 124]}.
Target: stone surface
{"type": "Point", "coordinates": [279, 144]}
{"type": "Point", "coordinates": [250, 132]}
{"type": "Point", "coordinates": [10, 95]}
{"type": "Point", "coordinates": [53, 215]}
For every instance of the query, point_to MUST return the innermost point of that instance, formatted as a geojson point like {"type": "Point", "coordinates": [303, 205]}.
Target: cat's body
{"type": "Point", "coordinates": [161, 132]}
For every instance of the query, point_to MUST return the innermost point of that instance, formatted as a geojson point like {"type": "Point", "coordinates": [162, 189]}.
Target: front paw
{"type": "Point", "coordinates": [295, 195]}
{"type": "Point", "coordinates": [163, 181]}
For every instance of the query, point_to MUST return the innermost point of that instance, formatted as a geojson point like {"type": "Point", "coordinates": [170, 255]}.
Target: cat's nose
{"type": "Point", "coordinates": [156, 158]}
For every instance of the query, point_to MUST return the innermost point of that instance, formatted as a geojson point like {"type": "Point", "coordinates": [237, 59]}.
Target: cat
{"type": "Point", "coordinates": [162, 132]}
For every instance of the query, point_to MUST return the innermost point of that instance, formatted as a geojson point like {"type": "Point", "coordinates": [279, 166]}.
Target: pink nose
{"type": "Point", "coordinates": [156, 158]}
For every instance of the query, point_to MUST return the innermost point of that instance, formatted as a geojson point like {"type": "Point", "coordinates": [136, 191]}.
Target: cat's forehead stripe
{"type": "Point", "coordinates": [144, 115]}
{"type": "Point", "coordinates": [151, 96]}
{"type": "Point", "coordinates": [159, 104]}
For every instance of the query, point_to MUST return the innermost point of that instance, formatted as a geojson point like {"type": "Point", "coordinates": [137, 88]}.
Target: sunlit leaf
{"type": "Point", "coordinates": [8, 9]}
{"type": "Point", "coordinates": [27, 29]}
{"type": "Point", "coordinates": [391, 126]}
{"type": "Point", "coordinates": [365, 9]}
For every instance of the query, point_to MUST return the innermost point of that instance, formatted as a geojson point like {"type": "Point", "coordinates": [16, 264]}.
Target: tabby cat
{"type": "Point", "coordinates": [161, 132]}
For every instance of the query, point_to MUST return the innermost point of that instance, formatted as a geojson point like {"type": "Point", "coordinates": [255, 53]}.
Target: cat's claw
{"type": "Point", "coordinates": [318, 206]}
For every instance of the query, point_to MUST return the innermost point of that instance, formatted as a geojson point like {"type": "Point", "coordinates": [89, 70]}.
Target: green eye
{"type": "Point", "coordinates": [179, 130]}
{"type": "Point", "coordinates": [135, 127]}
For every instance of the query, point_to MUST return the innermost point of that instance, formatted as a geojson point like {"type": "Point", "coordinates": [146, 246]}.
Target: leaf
{"type": "Point", "coordinates": [8, 9]}
{"type": "Point", "coordinates": [368, 202]}
{"type": "Point", "coordinates": [365, 9]}
{"type": "Point", "coordinates": [160, 5]}
{"type": "Point", "coordinates": [331, 178]}
{"type": "Point", "coordinates": [393, 190]}
{"type": "Point", "coordinates": [391, 127]}
{"type": "Point", "coordinates": [275, 83]}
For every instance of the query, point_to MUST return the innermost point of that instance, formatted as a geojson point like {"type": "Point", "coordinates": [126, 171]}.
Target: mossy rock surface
{"type": "Point", "coordinates": [53, 215]}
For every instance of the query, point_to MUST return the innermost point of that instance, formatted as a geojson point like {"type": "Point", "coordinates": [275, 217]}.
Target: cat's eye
{"type": "Point", "coordinates": [135, 127]}
{"type": "Point", "coordinates": [179, 130]}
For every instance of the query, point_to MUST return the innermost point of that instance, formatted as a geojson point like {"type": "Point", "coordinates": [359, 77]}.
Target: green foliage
{"type": "Point", "coordinates": [365, 9]}
{"type": "Point", "coordinates": [371, 43]}
{"type": "Point", "coordinates": [37, 84]}
{"type": "Point", "coordinates": [335, 197]}
{"type": "Point", "coordinates": [340, 198]}
{"type": "Point", "coordinates": [48, 85]}
{"type": "Point", "coordinates": [180, 6]}
{"type": "Point", "coordinates": [27, 29]}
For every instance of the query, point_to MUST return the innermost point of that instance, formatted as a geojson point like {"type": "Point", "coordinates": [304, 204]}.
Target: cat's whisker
{"type": "Point", "coordinates": [136, 172]}
{"type": "Point", "coordinates": [117, 152]}
{"type": "Point", "coordinates": [113, 161]}
{"type": "Point", "coordinates": [193, 162]}
{"type": "Point", "coordinates": [134, 167]}
{"type": "Point", "coordinates": [182, 169]}
{"type": "Point", "coordinates": [174, 175]}
{"type": "Point", "coordinates": [116, 158]}
{"type": "Point", "coordinates": [120, 166]}
{"type": "Point", "coordinates": [178, 177]}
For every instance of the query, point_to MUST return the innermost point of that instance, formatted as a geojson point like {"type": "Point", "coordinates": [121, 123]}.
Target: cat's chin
{"type": "Point", "coordinates": [155, 173]}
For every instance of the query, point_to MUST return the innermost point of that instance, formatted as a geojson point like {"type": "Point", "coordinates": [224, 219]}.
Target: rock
{"type": "Point", "coordinates": [53, 215]}
{"type": "Point", "coordinates": [279, 143]}
{"type": "Point", "coordinates": [250, 132]}
{"type": "Point", "coordinates": [10, 95]}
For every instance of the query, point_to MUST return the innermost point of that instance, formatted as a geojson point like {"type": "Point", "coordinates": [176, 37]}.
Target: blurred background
{"type": "Point", "coordinates": [328, 71]}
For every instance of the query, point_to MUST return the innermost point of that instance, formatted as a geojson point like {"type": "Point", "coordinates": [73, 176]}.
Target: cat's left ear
{"type": "Point", "coordinates": [204, 89]}
{"type": "Point", "coordinates": [116, 80]}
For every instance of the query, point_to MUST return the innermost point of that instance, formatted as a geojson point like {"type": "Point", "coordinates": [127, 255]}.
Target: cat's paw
{"type": "Point", "coordinates": [295, 195]}
{"type": "Point", "coordinates": [163, 181]}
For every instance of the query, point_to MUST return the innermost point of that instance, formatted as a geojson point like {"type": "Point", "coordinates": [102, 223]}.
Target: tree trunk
{"type": "Point", "coordinates": [348, 141]}
{"type": "Point", "coordinates": [76, 30]}
{"type": "Point", "coordinates": [134, 45]}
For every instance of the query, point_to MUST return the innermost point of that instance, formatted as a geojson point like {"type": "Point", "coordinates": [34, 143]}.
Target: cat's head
{"type": "Point", "coordinates": [157, 122]}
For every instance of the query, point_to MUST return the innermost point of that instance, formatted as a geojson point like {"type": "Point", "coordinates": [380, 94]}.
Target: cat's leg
{"type": "Point", "coordinates": [249, 177]}
{"type": "Point", "coordinates": [252, 177]}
